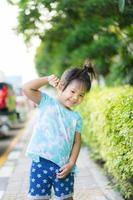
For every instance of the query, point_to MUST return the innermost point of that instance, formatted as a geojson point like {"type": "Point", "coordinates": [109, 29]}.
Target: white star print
{"type": "Point", "coordinates": [33, 170]}
{"type": "Point", "coordinates": [51, 168]}
{"type": "Point", "coordinates": [38, 185]}
{"type": "Point", "coordinates": [39, 176]}
{"type": "Point", "coordinates": [62, 184]}
{"type": "Point", "coordinates": [44, 181]}
{"type": "Point", "coordinates": [33, 180]}
{"type": "Point", "coordinates": [32, 190]}
{"type": "Point", "coordinates": [66, 189]}
{"type": "Point", "coordinates": [39, 165]}
{"type": "Point", "coordinates": [45, 171]}
{"type": "Point", "coordinates": [43, 190]}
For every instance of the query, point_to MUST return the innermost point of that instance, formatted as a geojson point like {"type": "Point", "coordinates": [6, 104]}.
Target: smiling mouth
{"type": "Point", "coordinates": [72, 102]}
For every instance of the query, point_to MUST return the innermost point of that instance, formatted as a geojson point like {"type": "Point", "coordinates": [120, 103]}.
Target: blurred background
{"type": "Point", "coordinates": [16, 67]}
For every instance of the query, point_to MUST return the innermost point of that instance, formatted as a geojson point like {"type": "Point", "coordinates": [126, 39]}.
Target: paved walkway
{"type": "Point", "coordinates": [90, 183]}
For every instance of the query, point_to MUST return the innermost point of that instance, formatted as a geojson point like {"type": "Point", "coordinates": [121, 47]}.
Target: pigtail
{"type": "Point", "coordinates": [88, 68]}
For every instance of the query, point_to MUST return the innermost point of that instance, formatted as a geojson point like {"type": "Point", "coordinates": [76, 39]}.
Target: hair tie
{"type": "Point", "coordinates": [88, 69]}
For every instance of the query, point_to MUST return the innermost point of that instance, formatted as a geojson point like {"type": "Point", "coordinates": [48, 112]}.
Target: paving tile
{"type": "Point", "coordinates": [1, 194]}
{"type": "Point", "coordinates": [3, 183]}
{"type": "Point", "coordinates": [100, 198]}
{"type": "Point", "coordinates": [14, 155]}
{"type": "Point", "coordinates": [6, 171]}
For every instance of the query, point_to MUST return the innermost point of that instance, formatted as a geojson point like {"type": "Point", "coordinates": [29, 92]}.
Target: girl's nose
{"type": "Point", "coordinates": [74, 98]}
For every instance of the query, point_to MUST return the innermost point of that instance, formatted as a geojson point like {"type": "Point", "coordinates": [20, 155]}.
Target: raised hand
{"type": "Point", "coordinates": [53, 80]}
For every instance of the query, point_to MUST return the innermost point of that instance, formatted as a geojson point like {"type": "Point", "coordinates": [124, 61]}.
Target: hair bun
{"type": "Point", "coordinates": [88, 68]}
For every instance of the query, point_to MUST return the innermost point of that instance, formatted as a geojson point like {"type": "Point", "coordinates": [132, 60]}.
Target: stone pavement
{"type": "Point", "coordinates": [90, 183]}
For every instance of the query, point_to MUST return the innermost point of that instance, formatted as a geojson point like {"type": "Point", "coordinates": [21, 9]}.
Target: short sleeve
{"type": "Point", "coordinates": [44, 99]}
{"type": "Point", "coordinates": [79, 124]}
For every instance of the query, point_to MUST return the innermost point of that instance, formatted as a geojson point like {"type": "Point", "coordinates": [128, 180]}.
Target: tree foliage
{"type": "Point", "coordinates": [71, 30]}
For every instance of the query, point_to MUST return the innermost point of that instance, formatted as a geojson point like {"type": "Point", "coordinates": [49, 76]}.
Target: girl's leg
{"type": "Point", "coordinates": [39, 182]}
{"type": "Point", "coordinates": [64, 187]}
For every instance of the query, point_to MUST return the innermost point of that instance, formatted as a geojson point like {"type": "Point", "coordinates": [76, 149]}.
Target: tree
{"type": "Point", "coordinates": [74, 30]}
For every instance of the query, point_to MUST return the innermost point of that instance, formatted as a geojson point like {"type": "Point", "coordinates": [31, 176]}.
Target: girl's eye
{"type": "Point", "coordinates": [72, 91]}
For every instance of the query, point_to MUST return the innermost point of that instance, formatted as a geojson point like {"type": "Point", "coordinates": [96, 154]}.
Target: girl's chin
{"type": "Point", "coordinates": [70, 104]}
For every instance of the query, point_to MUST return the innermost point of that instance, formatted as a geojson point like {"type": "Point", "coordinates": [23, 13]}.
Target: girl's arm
{"type": "Point", "coordinates": [73, 157]}
{"type": "Point", "coordinates": [76, 149]}
{"type": "Point", "coordinates": [31, 88]}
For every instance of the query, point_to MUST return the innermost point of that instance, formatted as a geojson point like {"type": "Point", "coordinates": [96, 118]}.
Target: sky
{"type": "Point", "coordinates": [15, 58]}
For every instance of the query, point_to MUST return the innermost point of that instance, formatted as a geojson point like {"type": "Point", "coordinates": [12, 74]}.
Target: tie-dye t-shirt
{"type": "Point", "coordinates": [53, 132]}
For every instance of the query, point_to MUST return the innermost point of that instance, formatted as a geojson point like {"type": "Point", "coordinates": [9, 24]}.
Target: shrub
{"type": "Point", "coordinates": [108, 131]}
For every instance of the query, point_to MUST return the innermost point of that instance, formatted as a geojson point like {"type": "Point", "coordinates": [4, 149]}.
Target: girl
{"type": "Point", "coordinates": [56, 139]}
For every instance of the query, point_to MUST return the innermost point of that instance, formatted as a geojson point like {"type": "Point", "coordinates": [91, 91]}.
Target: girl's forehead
{"type": "Point", "coordinates": [77, 85]}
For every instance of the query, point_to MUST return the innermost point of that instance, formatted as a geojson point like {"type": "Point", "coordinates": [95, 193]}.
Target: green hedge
{"type": "Point", "coordinates": [108, 131]}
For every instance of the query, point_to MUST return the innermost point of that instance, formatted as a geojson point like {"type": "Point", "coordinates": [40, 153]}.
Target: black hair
{"type": "Point", "coordinates": [84, 74]}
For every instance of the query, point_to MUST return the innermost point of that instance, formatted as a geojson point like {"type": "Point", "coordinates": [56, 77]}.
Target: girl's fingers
{"type": "Point", "coordinates": [62, 175]}
{"type": "Point", "coordinates": [53, 80]}
{"type": "Point", "coordinates": [57, 81]}
{"type": "Point", "coordinates": [62, 168]}
{"type": "Point", "coordinates": [52, 77]}
{"type": "Point", "coordinates": [59, 177]}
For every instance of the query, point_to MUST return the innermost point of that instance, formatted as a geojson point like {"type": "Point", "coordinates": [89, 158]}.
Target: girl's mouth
{"type": "Point", "coordinates": [71, 102]}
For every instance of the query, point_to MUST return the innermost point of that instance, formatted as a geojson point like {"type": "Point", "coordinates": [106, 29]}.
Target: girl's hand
{"type": "Point", "coordinates": [64, 170]}
{"type": "Point", "coordinates": [53, 80]}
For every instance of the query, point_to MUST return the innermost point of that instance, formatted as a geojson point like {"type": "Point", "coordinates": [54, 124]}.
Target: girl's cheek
{"type": "Point", "coordinates": [80, 100]}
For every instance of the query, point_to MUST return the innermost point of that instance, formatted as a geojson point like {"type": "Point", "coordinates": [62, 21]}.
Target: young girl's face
{"type": "Point", "coordinates": [73, 94]}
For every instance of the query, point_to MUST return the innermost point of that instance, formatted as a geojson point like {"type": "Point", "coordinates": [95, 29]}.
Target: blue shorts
{"type": "Point", "coordinates": [43, 179]}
